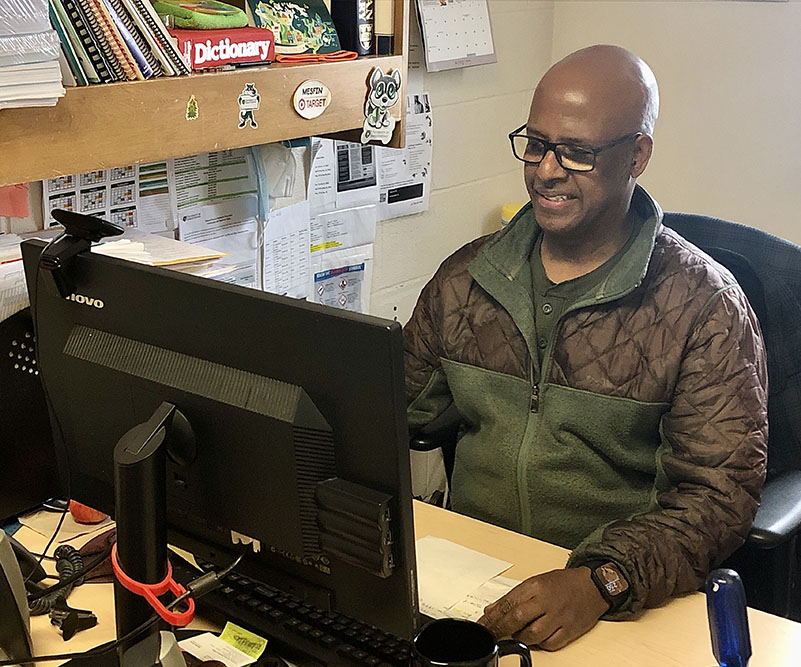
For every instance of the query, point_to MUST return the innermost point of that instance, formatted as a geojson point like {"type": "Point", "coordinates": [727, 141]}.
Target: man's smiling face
{"type": "Point", "coordinates": [586, 112]}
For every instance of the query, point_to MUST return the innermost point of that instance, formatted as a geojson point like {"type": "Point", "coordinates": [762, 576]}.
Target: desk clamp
{"type": "Point", "coordinates": [151, 592]}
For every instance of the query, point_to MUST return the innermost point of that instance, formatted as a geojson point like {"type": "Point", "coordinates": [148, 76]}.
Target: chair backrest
{"type": "Point", "coordinates": [769, 271]}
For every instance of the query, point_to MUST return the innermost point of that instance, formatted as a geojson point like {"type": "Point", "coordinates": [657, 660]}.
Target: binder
{"type": "Point", "coordinates": [160, 34]}
{"type": "Point", "coordinates": [168, 69]}
{"type": "Point", "coordinates": [106, 70]}
{"type": "Point", "coordinates": [66, 46]}
{"type": "Point", "coordinates": [102, 24]}
{"type": "Point", "coordinates": [117, 8]}
{"type": "Point", "coordinates": [84, 61]}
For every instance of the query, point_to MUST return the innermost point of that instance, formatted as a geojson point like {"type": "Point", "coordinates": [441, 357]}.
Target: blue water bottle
{"type": "Point", "coordinates": [728, 619]}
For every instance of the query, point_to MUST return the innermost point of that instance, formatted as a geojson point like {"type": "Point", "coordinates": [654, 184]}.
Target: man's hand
{"type": "Point", "coordinates": [549, 610]}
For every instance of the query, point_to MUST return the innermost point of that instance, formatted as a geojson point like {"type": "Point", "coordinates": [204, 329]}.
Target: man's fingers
{"type": "Point", "coordinates": [505, 618]}
{"type": "Point", "coordinates": [557, 640]}
{"type": "Point", "coordinates": [538, 631]}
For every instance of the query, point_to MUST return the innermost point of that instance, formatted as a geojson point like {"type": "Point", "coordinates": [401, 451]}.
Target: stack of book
{"type": "Point", "coordinates": [114, 40]}
{"type": "Point", "coordinates": [30, 74]}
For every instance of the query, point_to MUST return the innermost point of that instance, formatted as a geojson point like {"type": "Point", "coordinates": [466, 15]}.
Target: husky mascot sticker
{"type": "Point", "coordinates": [249, 100]}
{"type": "Point", "coordinates": [384, 94]}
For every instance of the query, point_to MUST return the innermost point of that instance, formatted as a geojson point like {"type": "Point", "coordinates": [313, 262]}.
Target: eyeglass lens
{"type": "Point", "coordinates": [530, 149]}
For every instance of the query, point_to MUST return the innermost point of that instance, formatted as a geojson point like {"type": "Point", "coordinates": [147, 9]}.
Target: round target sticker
{"type": "Point", "coordinates": [311, 99]}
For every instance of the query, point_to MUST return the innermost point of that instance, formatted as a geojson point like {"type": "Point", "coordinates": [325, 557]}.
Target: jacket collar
{"type": "Point", "coordinates": [501, 268]}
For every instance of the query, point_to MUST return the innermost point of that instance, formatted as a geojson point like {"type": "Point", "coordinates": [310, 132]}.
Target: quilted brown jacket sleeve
{"type": "Point", "coordinates": [711, 467]}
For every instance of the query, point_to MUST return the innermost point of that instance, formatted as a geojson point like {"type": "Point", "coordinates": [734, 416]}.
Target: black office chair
{"type": "Point", "coordinates": [769, 271]}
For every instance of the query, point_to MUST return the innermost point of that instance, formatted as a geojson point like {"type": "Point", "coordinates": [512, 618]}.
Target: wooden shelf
{"type": "Point", "coordinates": [102, 126]}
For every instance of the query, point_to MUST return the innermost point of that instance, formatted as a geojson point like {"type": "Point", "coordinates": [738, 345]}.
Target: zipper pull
{"type": "Point", "coordinates": [535, 398]}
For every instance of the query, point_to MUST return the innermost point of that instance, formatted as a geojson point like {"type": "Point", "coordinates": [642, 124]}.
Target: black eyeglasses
{"type": "Point", "coordinates": [533, 150]}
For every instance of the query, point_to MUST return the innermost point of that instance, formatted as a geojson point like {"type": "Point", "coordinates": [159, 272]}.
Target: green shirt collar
{"type": "Point", "coordinates": [506, 255]}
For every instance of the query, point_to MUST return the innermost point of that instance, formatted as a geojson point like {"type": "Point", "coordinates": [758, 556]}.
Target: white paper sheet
{"type": "Point", "coordinates": [155, 250]}
{"type": "Point", "coordinates": [134, 196]}
{"type": "Point", "coordinates": [472, 605]}
{"type": "Point", "coordinates": [13, 290]}
{"type": "Point", "coordinates": [343, 229]}
{"type": "Point", "coordinates": [45, 523]}
{"type": "Point", "coordinates": [343, 278]}
{"type": "Point", "coordinates": [322, 188]}
{"type": "Point", "coordinates": [405, 173]}
{"type": "Point", "coordinates": [447, 573]}
{"type": "Point", "coordinates": [207, 646]}
{"type": "Point", "coordinates": [285, 264]}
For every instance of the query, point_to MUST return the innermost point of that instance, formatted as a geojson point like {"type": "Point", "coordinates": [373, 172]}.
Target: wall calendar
{"type": "Point", "coordinates": [456, 33]}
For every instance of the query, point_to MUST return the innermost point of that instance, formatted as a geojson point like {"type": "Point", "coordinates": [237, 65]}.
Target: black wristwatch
{"type": "Point", "coordinates": [611, 583]}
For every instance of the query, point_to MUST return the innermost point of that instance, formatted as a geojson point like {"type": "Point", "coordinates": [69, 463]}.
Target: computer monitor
{"type": "Point", "coordinates": [280, 396]}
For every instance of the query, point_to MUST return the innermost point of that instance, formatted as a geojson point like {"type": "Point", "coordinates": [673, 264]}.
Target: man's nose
{"type": "Point", "coordinates": [549, 168]}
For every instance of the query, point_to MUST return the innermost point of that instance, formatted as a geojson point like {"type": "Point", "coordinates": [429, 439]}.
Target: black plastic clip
{"type": "Point", "coordinates": [71, 620]}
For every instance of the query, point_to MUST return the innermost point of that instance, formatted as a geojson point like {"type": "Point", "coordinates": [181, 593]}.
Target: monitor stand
{"type": "Point", "coordinates": [140, 462]}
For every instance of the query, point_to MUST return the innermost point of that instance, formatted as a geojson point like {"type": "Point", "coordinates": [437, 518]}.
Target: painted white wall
{"type": "Point", "coordinates": [726, 143]}
{"type": "Point", "coordinates": [473, 170]}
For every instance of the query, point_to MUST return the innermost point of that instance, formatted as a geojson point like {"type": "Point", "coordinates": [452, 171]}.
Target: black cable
{"type": "Point", "coordinates": [47, 546]}
{"type": "Point", "coordinates": [32, 297]}
{"type": "Point", "coordinates": [91, 565]}
{"type": "Point", "coordinates": [69, 566]}
{"type": "Point", "coordinates": [197, 589]}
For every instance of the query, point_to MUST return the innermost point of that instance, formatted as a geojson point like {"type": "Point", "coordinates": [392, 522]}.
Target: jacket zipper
{"type": "Point", "coordinates": [535, 398]}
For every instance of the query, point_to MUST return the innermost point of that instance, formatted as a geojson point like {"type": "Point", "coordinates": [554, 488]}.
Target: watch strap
{"type": "Point", "coordinates": [610, 582]}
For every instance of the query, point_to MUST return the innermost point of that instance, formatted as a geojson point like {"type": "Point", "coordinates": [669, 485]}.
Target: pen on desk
{"type": "Point", "coordinates": [728, 618]}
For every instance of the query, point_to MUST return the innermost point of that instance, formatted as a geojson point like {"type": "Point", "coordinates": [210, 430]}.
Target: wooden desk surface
{"type": "Point", "coordinates": [676, 634]}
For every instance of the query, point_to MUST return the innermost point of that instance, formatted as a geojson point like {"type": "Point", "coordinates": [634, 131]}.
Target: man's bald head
{"type": "Point", "coordinates": [616, 84]}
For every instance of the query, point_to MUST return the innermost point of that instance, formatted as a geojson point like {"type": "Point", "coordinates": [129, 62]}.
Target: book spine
{"type": "Point", "coordinates": [66, 46]}
{"type": "Point", "coordinates": [354, 21]}
{"type": "Point", "coordinates": [104, 70]}
{"type": "Point", "coordinates": [113, 39]}
{"type": "Point", "coordinates": [160, 33]}
{"type": "Point", "coordinates": [137, 45]}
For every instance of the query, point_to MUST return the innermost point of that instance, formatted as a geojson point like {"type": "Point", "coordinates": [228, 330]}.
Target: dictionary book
{"type": "Point", "coordinates": [206, 49]}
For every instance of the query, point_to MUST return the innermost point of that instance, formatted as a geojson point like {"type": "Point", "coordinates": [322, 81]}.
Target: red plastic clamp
{"type": "Point", "coordinates": [151, 592]}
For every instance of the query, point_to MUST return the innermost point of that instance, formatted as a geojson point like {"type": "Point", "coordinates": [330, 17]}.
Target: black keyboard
{"type": "Point", "coordinates": [296, 630]}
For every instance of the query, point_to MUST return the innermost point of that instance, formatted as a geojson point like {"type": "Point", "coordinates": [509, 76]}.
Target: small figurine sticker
{"type": "Point", "coordinates": [249, 100]}
{"type": "Point", "coordinates": [383, 94]}
{"type": "Point", "coordinates": [191, 108]}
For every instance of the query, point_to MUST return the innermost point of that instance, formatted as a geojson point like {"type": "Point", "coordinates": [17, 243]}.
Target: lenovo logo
{"type": "Point", "coordinates": [85, 300]}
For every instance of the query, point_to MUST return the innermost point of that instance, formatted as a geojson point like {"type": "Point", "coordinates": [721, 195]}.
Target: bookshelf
{"type": "Point", "coordinates": [102, 126]}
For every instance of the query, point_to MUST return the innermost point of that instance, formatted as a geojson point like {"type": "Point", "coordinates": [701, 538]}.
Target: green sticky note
{"type": "Point", "coordinates": [244, 640]}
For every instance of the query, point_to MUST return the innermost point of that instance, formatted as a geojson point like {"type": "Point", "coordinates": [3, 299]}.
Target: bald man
{"type": "Point", "coordinates": [608, 377]}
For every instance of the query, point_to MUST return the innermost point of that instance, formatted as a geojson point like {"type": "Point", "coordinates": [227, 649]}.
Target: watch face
{"type": "Point", "coordinates": [612, 580]}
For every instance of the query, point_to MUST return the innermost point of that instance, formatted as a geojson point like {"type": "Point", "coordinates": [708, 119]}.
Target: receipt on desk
{"type": "Point", "coordinates": [447, 573]}
{"type": "Point", "coordinates": [472, 606]}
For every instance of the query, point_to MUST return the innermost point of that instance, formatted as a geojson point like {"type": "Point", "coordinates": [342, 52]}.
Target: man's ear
{"type": "Point", "coordinates": [643, 148]}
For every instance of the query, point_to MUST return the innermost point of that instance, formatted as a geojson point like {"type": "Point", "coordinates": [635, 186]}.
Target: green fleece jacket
{"type": "Point", "coordinates": [642, 440]}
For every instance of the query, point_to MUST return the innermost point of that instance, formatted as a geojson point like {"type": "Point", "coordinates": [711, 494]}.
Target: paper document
{"type": "Point", "coordinates": [343, 278]}
{"type": "Point", "coordinates": [472, 606]}
{"type": "Point", "coordinates": [154, 250]}
{"type": "Point", "coordinates": [286, 251]}
{"type": "Point", "coordinates": [13, 290]}
{"type": "Point", "coordinates": [209, 647]}
{"type": "Point", "coordinates": [343, 228]}
{"type": "Point", "coordinates": [131, 196]}
{"type": "Point", "coordinates": [447, 573]}
{"type": "Point", "coordinates": [45, 523]}
{"type": "Point", "coordinates": [404, 174]}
